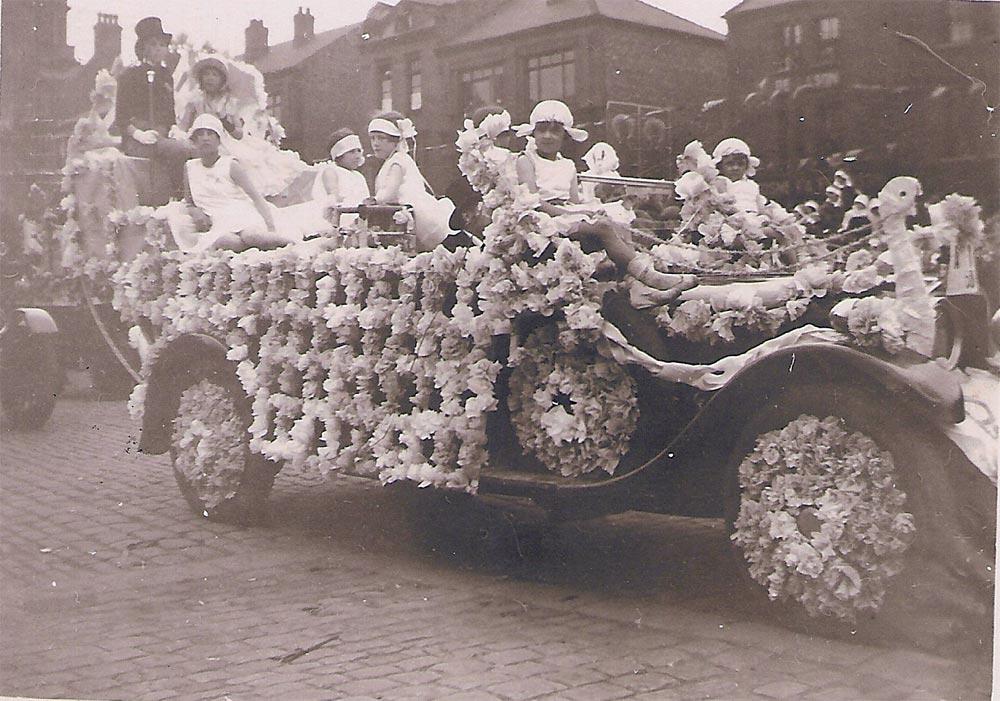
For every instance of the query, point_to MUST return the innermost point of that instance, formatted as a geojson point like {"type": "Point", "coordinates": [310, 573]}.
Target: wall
{"type": "Point", "coordinates": [331, 88]}
{"type": "Point", "coordinates": [894, 100]}
{"type": "Point", "coordinates": [672, 71]}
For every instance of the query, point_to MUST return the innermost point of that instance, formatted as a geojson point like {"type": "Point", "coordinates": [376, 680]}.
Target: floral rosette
{"type": "Point", "coordinates": [210, 443]}
{"type": "Point", "coordinates": [871, 322]}
{"type": "Point", "coordinates": [820, 519]}
{"type": "Point", "coordinates": [574, 411]}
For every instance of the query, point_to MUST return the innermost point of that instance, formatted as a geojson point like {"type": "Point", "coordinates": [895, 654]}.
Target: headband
{"type": "Point", "coordinates": [383, 126]}
{"type": "Point", "coordinates": [403, 128]}
{"type": "Point", "coordinates": [348, 143]}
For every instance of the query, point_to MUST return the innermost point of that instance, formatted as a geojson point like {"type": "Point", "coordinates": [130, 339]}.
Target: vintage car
{"type": "Point", "coordinates": [825, 397]}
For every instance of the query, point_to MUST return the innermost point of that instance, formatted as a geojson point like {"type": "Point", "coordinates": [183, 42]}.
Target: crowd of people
{"type": "Point", "coordinates": [228, 169]}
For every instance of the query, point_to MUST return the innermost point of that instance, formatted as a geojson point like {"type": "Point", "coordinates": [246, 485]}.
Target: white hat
{"type": "Point", "coordinates": [206, 121]}
{"type": "Point", "coordinates": [602, 158]}
{"type": "Point", "coordinates": [736, 147]}
{"type": "Point", "coordinates": [552, 111]}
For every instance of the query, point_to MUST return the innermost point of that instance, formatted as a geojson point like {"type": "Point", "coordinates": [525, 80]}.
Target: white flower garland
{"type": "Point", "coordinates": [820, 518]}
{"type": "Point", "coordinates": [378, 362]}
{"type": "Point", "coordinates": [211, 444]}
{"type": "Point", "coordinates": [573, 411]}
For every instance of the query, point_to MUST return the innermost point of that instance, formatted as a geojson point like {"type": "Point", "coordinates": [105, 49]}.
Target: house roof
{"type": "Point", "coordinates": [291, 53]}
{"type": "Point", "coordinates": [513, 16]}
{"type": "Point", "coordinates": [749, 5]}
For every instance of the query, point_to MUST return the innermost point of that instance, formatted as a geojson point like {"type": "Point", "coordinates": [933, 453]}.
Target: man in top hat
{"type": "Point", "coordinates": [144, 104]}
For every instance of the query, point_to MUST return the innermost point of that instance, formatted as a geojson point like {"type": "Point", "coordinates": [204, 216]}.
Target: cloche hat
{"type": "Point", "coordinates": [736, 147]}
{"type": "Point", "coordinates": [552, 111]}
{"type": "Point", "coordinates": [206, 121]}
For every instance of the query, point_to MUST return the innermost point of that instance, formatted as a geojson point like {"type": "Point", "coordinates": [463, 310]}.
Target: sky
{"type": "Point", "coordinates": [222, 22]}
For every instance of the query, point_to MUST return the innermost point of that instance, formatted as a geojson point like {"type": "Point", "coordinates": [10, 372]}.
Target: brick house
{"type": "Point", "coordinates": [633, 74]}
{"type": "Point", "coordinates": [816, 84]}
{"type": "Point", "coordinates": [44, 89]}
{"type": "Point", "coordinates": [312, 81]}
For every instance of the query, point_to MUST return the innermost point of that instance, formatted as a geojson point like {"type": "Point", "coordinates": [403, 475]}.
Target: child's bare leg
{"type": "Point", "coordinates": [229, 242]}
{"type": "Point", "coordinates": [263, 239]}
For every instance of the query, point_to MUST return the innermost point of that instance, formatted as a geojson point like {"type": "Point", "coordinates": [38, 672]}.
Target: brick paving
{"type": "Point", "coordinates": [112, 589]}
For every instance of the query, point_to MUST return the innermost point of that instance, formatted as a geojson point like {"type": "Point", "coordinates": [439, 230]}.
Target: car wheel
{"type": "Point", "coordinates": [865, 516]}
{"type": "Point", "coordinates": [218, 474]}
{"type": "Point", "coordinates": [29, 379]}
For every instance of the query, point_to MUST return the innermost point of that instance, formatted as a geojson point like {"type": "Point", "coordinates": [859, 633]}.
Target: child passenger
{"type": "Point", "coordinates": [339, 182]}
{"type": "Point", "coordinates": [492, 124]}
{"type": "Point", "coordinates": [737, 165]}
{"type": "Point", "coordinates": [212, 78]}
{"type": "Point", "coordinates": [542, 167]}
{"type": "Point", "coordinates": [399, 181]}
{"type": "Point", "coordinates": [219, 186]}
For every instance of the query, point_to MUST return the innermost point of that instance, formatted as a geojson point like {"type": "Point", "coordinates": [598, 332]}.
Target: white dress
{"type": "Point", "coordinates": [352, 190]}
{"type": "Point", "coordinates": [351, 185]}
{"type": "Point", "coordinates": [747, 195]}
{"type": "Point", "coordinates": [430, 214]}
{"type": "Point", "coordinates": [226, 203]}
{"type": "Point", "coordinates": [554, 177]}
{"type": "Point", "coordinates": [269, 168]}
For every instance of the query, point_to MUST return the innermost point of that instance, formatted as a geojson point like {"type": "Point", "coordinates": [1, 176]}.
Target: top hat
{"type": "Point", "coordinates": [150, 28]}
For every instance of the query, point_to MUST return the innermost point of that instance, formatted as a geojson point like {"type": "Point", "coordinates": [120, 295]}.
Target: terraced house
{"type": "Point", "coordinates": [633, 74]}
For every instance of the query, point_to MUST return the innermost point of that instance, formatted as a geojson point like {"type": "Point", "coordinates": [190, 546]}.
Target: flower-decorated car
{"type": "Point", "coordinates": [823, 397]}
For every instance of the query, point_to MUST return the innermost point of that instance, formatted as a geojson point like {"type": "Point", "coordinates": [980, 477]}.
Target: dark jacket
{"type": "Point", "coordinates": [145, 104]}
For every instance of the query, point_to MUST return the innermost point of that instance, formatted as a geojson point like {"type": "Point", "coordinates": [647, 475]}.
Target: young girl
{"type": "Point", "coordinates": [212, 78]}
{"type": "Point", "coordinates": [399, 181]}
{"type": "Point", "coordinates": [601, 159]}
{"type": "Point", "coordinates": [220, 187]}
{"type": "Point", "coordinates": [492, 125]}
{"type": "Point", "coordinates": [737, 165]}
{"type": "Point", "coordinates": [542, 167]}
{"type": "Point", "coordinates": [230, 90]}
{"type": "Point", "coordinates": [339, 182]}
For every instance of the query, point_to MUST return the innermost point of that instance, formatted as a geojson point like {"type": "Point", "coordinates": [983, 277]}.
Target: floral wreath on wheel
{"type": "Point", "coordinates": [820, 519]}
{"type": "Point", "coordinates": [211, 455]}
{"type": "Point", "coordinates": [574, 411]}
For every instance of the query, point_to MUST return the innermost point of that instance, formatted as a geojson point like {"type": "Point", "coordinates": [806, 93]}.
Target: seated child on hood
{"type": "Point", "coordinates": [737, 166]}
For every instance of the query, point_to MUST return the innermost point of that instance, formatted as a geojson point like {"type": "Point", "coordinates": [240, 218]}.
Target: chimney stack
{"type": "Point", "coordinates": [304, 22]}
{"type": "Point", "coordinates": [255, 41]}
{"type": "Point", "coordinates": [107, 40]}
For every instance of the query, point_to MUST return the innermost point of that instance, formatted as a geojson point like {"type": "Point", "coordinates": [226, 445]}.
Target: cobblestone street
{"type": "Point", "coordinates": [113, 589]}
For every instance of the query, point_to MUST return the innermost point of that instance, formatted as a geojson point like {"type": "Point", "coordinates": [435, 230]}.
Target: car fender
{"type": "Point", "coordinates": [690, 465]}
{"type": "Point", "coordinates": [921, 384]}
{"type": "Point", "coordinates": [38, 320]}
{"type": "Point", "coordinates": [173, 368]}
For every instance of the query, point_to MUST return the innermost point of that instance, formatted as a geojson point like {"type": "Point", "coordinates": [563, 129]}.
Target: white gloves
{"type": "Point", "coordinates": [148, 137]}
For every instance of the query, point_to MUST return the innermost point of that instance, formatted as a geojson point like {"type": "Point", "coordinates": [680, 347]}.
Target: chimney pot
{"type": "Point", "coordinates": [255, 40]}
{"type": "Point", "coordinates": [304, 23]}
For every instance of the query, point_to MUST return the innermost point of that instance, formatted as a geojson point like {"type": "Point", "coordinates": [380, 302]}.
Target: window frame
{"type": "Point", "coordinates": [534, 74]}
{"type": "Point", "coordinates": [493, 73]}
{"type": "Point", "coordinates": [415, 84]}
{"type": "Point", "coordinates": [823, 26]}
{"type": "Point", "coordinates": [384, 79]}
